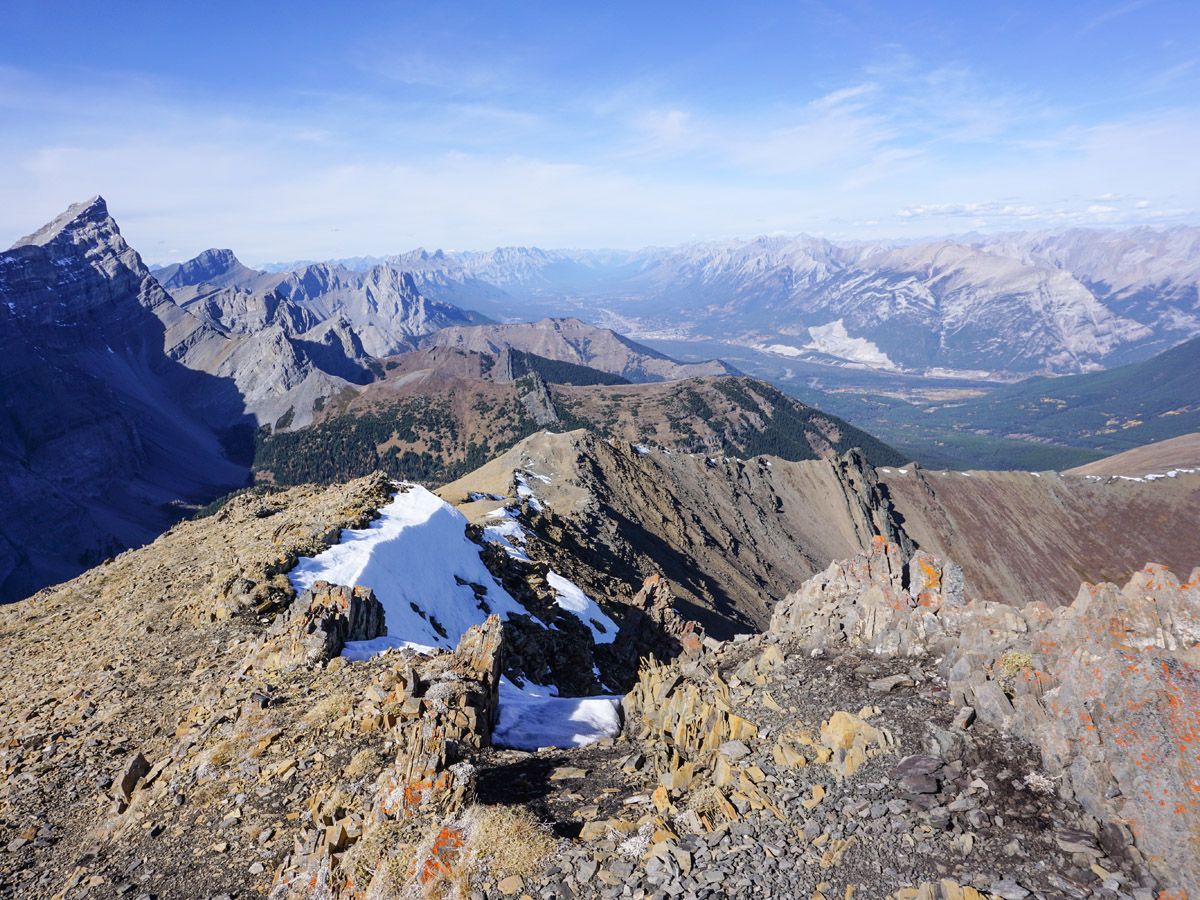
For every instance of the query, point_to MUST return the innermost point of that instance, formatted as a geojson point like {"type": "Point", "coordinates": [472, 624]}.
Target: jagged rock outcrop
{"type": "Point", "coordinates": [439, 712]}
{"type": "Point", "coordinates": [875, 601]}
{"type": "Point", "coordinates": [651, 628]}
{"type": "Point", "coordinates": [870, 502]}
{"type": "Point", "coordinates": [1108, 688]}
{"type": "Point", "coordinates": [318, 624]}
{"type": "Point", "coordinates": [535, 397]}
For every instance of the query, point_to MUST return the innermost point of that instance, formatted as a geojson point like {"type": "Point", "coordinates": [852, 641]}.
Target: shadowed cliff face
{"type": "Point", "coordinates": [736, 536]}
{"type": "Point", "coordinates": [733, 536]}
{"type": "Point", "coordinates": [105, 436]}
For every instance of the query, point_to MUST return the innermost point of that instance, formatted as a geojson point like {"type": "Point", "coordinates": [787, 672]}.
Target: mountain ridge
{"type": "Point", "coordinates": [770, 291]}
{"type": "Point", "coordinates": [571, 340]}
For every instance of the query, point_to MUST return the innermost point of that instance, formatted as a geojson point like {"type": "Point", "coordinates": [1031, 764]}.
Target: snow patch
{"type": "Point", "coordinates": [481, 495]}
{"type": "Point", "coordinates": [525, 492]}
{"type": "Point", "coordinates": [413, 556]}
{"type": "Point", "coordinates": [783, 350]}
{"type": "Point", "coordinates": [508, 534]}
{"type": "Point", "coordinates": [569, 596]}
{"type": "Point", "coordinates": [833, 339]}
{"type": "Point", "coordinates": [533, 717]}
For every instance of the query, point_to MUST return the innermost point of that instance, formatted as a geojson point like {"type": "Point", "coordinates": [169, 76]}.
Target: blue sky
{"type": "Point", "coordinates": [316, 130]}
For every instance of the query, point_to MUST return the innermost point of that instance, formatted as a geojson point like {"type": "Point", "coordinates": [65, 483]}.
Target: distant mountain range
{"type": "Point", "coordinates": [570, 340]}
{"type": "Point", "coordinates": [126, 406]}
{"type": "Point", "coordinates": [1003, 306]}
{"type": "Point", "coordinates": [441, 411]}
{"type": "Point", "coordinates": [132, 397]}
{"type": "Point", "coordinates": [381, 305]}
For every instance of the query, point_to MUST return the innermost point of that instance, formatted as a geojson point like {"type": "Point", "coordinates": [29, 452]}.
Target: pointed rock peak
{"type": "Point", "coordinates": [76, 216]}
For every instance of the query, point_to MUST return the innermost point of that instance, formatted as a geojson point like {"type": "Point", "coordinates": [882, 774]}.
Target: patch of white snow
{"type": "Point", "coordinates": [508, 534]}
{"type": "Point", "coordinates": [569, 596]}
{"type": "Point", "coordinates": [525, 492]}
{"type": "Point", "coordinates": [410, 556]}
{"type": "Point", "coordinates": [833, 339]}
{"type": "Point", "coordinates": [533, 717]}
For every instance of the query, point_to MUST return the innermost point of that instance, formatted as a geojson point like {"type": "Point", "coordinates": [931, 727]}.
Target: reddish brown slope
{"type": "Point", "coordinates": [1021, 536]}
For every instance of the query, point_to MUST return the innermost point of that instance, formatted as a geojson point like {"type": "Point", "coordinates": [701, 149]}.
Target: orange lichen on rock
{"type": "Point", "coordinates": [446, 850]}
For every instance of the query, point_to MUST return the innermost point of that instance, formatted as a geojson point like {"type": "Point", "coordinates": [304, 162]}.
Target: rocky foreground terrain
{"type": "Point", "coordinates": [185, 721]}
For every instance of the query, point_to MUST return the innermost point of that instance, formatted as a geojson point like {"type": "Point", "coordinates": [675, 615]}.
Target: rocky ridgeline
{"type": "Point", "coordinates": [437, 714]}
{"type": "Point", "coordinates": [777, 771]}
{"type": "Point", "coordinates": [1107, 688]}
{"type": "Point", "coordinates": [317, 626]}
{"type": "Point", "coordinates": [187, 727]}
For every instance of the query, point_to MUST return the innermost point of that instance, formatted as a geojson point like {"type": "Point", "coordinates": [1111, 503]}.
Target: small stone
{"type": "Point", "coordinates": [1007, 889]}
{"type": "Point", "coordinates": [1074, 841]}
{"type": "Point", "coordinates": [918, 764]}
{"type": "Point", "coordinates": [890, 683]}
{"type": "Point", "coordinates": [564, 772]}
{"type": "Point", "coordinates": [511, 885]}
{"type": "Point", "coordinates": [734, 750]}
{"type": "Point", "coordinates": [919, 784]}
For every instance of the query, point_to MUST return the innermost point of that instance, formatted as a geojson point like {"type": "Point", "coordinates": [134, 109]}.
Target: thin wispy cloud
{"type": "Point", "coordinates": [1115, 12]}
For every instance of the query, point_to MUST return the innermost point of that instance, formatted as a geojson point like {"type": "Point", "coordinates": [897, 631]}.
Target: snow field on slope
{"type": "Point", "coordinates": [410, 556]}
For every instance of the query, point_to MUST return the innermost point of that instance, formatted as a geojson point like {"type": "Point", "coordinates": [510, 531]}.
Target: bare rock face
{"type": "Point", "coordinates": [1121, 715]}
{"type": "Point", "coordinates": [651, 628]}
{"type": "Point", "coordinates": [1107, 688]}
{"type": "Point", "coordinates": [437, 715]}
{"type": "Point", "coordinates": [864, 603]}
{"type": "Point", "coordinates": [104, 430]}
{"type": "Point", "coordinates": [322, 620]}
